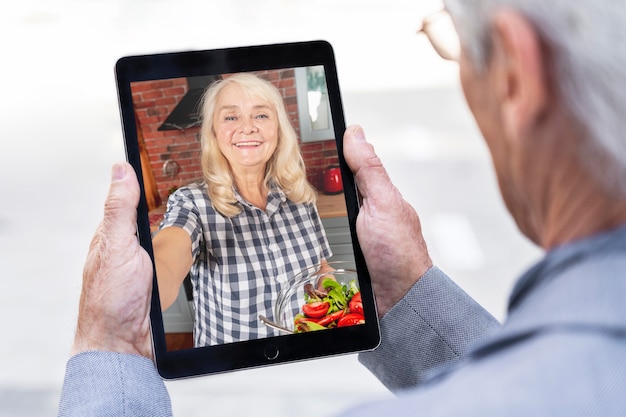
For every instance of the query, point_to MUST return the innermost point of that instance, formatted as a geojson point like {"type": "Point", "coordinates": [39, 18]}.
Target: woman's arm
{"type": "Point", "coordinates": [173, 260]}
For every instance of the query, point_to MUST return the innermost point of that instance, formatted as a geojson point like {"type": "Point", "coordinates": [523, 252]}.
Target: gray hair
{"type": "Point", "coordinates": [586, 39]}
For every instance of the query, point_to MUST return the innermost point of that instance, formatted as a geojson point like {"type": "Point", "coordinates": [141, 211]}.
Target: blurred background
{"type": "Point", "coordinates": [60, 134]}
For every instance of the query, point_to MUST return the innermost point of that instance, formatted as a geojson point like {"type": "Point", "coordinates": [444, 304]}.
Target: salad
{"type": "Point", "coordinates": [335, 305]}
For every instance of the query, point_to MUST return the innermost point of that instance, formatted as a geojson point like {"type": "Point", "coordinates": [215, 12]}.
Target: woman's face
{"type": "Point", "coordinates": [246, 128]}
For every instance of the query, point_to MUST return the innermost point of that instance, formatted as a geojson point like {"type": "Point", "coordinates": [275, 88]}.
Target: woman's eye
{"type": "Point", "coordinates": [262, 116]}
{"type": "Point", "coordinates": [230, 118]}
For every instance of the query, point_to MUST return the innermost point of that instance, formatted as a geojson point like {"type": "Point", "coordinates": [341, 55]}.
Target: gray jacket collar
{"type": "Point", "coordinates": [576, 287]}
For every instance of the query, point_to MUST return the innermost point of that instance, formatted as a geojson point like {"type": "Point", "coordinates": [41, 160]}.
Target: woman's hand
{"type": "Point", "coordinates": [117, 279]}
{"type": "Point", "coordinates": [388, 227]}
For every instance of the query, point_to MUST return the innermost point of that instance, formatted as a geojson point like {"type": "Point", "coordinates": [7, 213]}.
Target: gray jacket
{"type": "Point", "coordinates": [561, 351]}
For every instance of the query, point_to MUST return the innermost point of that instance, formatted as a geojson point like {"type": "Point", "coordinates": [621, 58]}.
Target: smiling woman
{"type": "Point", "coordinates": [249, 224]}
{"type": "Point", "coordinates": [246, 132]}
{"type": "Point", "coordinates": [246, 128]}
{"type": "Point", "coordinates": [244, 109]}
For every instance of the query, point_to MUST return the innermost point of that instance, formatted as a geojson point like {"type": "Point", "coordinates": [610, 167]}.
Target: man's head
{"type": "Point", "coordinates": [543, 80]}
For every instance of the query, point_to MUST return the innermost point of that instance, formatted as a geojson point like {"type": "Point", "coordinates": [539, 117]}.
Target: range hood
{"type": "Point", "coordinates": [186, 114]}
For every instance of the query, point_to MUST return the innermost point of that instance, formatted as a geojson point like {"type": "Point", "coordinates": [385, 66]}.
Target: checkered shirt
{"type": "Point", "coordinates": [242, 263]}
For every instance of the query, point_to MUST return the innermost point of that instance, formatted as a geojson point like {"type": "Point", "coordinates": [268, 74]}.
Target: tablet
{"type": "Point", "coordinates": [247, 208]}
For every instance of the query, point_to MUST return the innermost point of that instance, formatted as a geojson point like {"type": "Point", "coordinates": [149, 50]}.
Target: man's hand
{"type": "Point", "coordinates": [388, 227]}
{"type": "Point", "coordinates": [117, 279]}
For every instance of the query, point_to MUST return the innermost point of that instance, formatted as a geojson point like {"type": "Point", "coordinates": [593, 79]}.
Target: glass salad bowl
{"type": "Point", "coordinates": [317, 299]}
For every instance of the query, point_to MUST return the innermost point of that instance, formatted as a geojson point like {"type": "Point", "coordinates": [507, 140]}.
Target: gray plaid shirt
{"type": "Point", "coordinates": [242, 263]}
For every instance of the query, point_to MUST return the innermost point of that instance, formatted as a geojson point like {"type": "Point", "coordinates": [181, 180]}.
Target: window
{"type": "Point", "coordinates": [314, 108]}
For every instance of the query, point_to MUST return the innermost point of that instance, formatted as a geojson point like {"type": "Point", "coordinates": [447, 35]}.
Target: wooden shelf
{"type": "Point", "coordinates": [333, 205]}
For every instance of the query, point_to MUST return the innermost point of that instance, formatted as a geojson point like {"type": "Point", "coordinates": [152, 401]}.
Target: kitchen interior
{"type": "Point", "coordinates": [168, 132]}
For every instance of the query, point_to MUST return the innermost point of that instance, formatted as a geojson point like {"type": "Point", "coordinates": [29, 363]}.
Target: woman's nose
{"type": "Point", "coordinates": [248, 126]}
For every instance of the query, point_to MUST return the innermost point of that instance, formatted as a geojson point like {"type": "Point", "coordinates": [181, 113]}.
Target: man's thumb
{"type": "Point", "coordinates": [369, 172]}
{"type": "Point", "coordinates": [121, 202]}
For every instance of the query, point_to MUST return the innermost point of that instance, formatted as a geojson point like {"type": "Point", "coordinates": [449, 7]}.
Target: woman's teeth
{"type": "Point", "coordinates": [241, 144]}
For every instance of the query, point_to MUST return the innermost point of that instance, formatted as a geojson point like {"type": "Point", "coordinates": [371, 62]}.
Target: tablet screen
{"type": "Point", "coordinates": [248, 208]}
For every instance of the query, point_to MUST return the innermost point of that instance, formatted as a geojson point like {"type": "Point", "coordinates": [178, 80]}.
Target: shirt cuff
{"type": "Point", "coordinates": [113, 384]}
{"type": "Point", "coordinates": [431, 326]}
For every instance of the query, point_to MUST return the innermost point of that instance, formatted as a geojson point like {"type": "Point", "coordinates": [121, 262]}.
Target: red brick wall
{"type": "Point", "coordinates": [154, 100]}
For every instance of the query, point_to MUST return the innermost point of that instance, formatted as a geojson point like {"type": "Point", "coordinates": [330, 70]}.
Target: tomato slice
{"type": "Point", "coordinates": [326, 320]}
{"type": "Point", "coordinates": [351, 319]}
{"type": "Point", "coordinates": [316, 309]}
{"type": "Point", "coordinates": [356, 304]}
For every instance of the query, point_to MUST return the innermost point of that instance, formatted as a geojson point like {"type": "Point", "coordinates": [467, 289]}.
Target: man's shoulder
{"type": "Point", "coordinates": [547, 373]}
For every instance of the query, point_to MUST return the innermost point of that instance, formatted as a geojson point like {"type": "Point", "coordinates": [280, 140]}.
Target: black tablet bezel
{"type": "Point", "coordinates": [258, 352]}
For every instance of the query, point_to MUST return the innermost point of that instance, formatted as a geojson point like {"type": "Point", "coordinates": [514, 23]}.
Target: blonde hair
{"type": "Point", "coordinates": [285, 168]}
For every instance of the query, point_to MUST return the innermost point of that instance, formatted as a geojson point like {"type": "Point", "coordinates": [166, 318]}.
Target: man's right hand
{"type": "Point", "coordinates": [117, 280]}
{"type": "Point", "coordinates": [388, 228]}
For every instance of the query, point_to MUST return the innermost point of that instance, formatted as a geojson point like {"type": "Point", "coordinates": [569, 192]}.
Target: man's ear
{"type": "Point", "coordinates": [520, 74]}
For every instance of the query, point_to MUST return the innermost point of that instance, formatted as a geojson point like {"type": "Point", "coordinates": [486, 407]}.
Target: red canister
{"type": "Point", "coordinates": [332, 180]}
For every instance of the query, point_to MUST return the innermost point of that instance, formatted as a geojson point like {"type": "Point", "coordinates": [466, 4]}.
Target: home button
{"type": "Point", "coordinates": [271, 352]}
